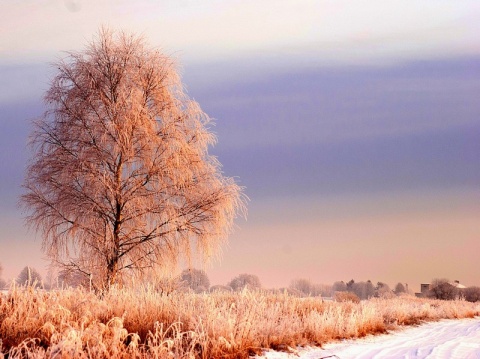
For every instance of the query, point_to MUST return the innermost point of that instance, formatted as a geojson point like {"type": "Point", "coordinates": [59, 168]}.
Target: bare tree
{"type": "Point", "coordinates": [443, 289]}
{"type": "Point", "coordinates": [195, 279]}
{"type": "Point", "coordinates": [29, 277]}
{"type": "Point", "coordinates": [250, 281]}
{"type": "Point", "coordinates": [121, 180]}
{"type": "Point", "coordinates": [472, 294]}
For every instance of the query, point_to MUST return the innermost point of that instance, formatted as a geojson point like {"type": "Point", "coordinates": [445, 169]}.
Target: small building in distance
{"type": "Point", "coordinates": [458, 285]}
{"type": "Point", "coordinates": [424, 287]}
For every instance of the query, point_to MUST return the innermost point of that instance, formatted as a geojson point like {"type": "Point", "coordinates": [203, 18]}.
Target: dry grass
{"type": "Point", "coordinates": [146, 324]}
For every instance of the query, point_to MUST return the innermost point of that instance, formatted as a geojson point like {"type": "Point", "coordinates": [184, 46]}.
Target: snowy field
{"type": "Point", "coordinates": [452, 339]}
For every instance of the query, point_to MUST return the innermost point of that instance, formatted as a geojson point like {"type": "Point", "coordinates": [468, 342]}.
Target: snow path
{"type": "Point", "coordinates": [453, 339]}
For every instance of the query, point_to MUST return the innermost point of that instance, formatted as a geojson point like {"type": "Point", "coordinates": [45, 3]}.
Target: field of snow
{"type": "Point", "coordinates": [452, 339]}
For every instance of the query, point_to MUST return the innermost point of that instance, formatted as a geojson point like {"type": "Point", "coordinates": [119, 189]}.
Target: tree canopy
{"type": "Point", "coordinates": [195, 279]}
{"type": "Point", "coordinates": [250, 281]}
{"type": "Point", "coordinates": [29, 277]}
{"type": "Point", "coordinates": [120, 178]}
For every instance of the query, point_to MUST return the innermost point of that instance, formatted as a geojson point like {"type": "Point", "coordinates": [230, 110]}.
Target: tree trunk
{"type": "Point", "coordinates": [112, 269]}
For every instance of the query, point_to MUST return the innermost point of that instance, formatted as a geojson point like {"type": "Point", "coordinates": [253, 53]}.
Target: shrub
{"type": "Point", "coordinates": [472, 294]}
{"type": "Point", "coordinates": [144, 323]}
{"type": "Point", "coordinates": [442, 289]}
{"type": "Point", "coordinates": [346, 297]}
{"type": "Point", "coordinates": [220, 288]}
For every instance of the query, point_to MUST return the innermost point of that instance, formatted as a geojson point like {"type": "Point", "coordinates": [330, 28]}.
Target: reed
{"type": "Point", "coordinates": [143, 323]}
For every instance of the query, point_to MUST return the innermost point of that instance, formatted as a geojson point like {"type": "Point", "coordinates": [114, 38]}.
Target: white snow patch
{"type": "Point", "coordinates": [452, 339]}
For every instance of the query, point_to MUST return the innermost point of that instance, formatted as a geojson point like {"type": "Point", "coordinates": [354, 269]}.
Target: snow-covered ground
{"type": "Point", "coordinates": [452, 339]}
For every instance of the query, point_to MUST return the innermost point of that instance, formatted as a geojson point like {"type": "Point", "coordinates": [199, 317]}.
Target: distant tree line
{"type": "Point", "coordinates": [367, 290]}
{"type": "Point", "coordinates": [197, 281]}
{"type": "Point", "coordinates": [28, 277]}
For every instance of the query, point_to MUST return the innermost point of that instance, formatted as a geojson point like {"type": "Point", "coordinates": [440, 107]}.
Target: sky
{"type": "Point", "coordinates": [353, 125]}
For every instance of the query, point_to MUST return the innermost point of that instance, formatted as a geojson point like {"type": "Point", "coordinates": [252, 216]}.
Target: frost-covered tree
{"type": "Point", "coordinates": [383, 290]}
{"type": "Point", "coordinates": [339, 287]}
{"type": "Point", "coordinates": [250, 281]}
{"type": "Point", "coordinates": [29, 277]}
{"type": "Point", "coordinates": [324, 290]}
{"type": "Point", "coordinates": [364, 290]}
{"type": "Point", "coordinates": [370, 289]}
{"type": "Point", "coordinates": [350, 284]}
{"type": "Point", "coordinates": [305, 287]}
{"type": "Point", "coordinates": [302, 285]}
{"type": "Point", "coordinates": [400, 288]}
{"type": "Point", "coordinates": [195, 279]}
{"type": "Point", "coordinates": [120, 179]}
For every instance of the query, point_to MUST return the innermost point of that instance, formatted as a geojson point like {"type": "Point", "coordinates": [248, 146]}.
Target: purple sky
{"type": "Point", "coordinates": [359, 145]}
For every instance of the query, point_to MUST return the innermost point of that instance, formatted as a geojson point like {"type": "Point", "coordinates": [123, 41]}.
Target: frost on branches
{"type": "Point", "coordinates": [121, 180]}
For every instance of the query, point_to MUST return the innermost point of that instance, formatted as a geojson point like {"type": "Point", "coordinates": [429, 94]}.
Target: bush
{"type": "Point", "coordinates": [442, 289]}
{"type": "Point", "coordinates": [220, 288]}
{"type": "Point", "coordinates": [472, 294]}
{"type": "Point", "coordinates": [346, 297]}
